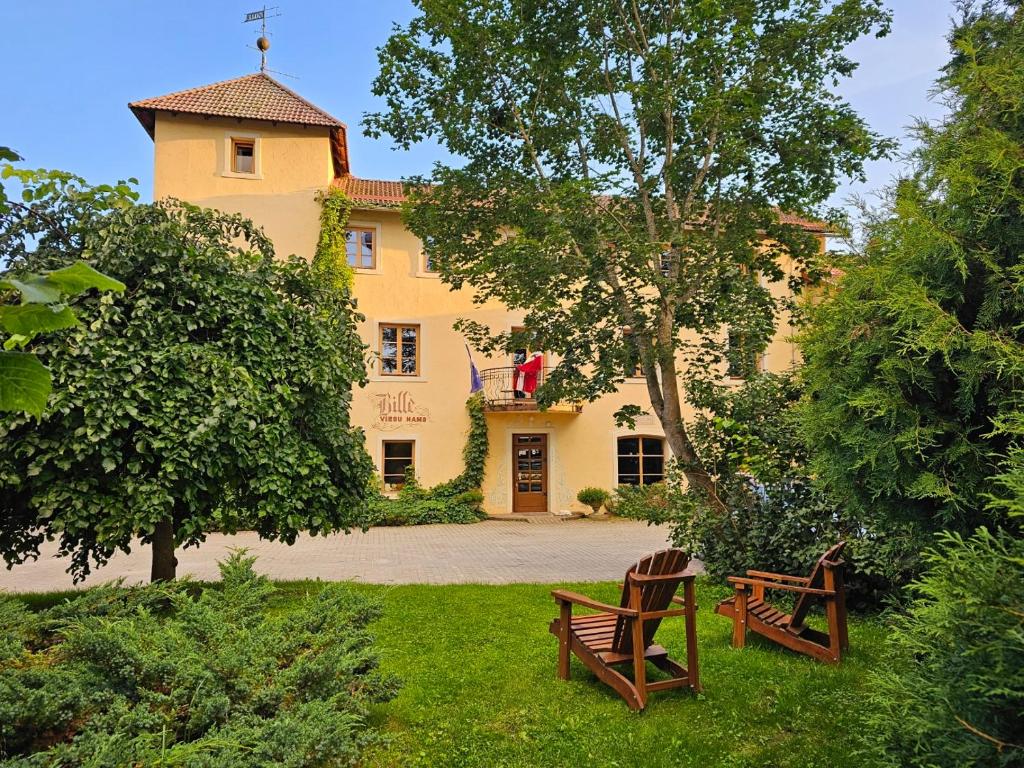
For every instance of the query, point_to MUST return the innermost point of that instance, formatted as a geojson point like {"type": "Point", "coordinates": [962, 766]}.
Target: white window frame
{"type": "Point", "coordinates": [421, 267]}
{"type": "Point", "coordinates": [668, 455]}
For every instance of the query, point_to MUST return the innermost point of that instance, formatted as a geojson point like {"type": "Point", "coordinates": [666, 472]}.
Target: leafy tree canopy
{"type": "Point", "coordinates": [214, 394]}
{"type": "Point", "coordinates": [24, 382]}
{"type": "Point", "coordinates": [624, 164]}
{"type": "Point", "coordinates": [916, 358]}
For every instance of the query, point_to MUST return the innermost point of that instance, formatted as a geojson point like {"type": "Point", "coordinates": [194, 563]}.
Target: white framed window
{"type": "Point", "coordinates": [427, 267]}
{"type": "Point", "coordinates": [361, 247]}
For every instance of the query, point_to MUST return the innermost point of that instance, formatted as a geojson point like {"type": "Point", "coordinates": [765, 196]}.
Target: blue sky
{"type": "Point", "coordinates": [72, 67]}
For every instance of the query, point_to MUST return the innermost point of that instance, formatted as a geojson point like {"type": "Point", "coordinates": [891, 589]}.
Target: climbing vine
{"type": "Point", "coordinates": [474, 452]}
{"type": "Point", "coordinates": [454, 501]}
{"type": "Point", "coordinates": [329, 260]}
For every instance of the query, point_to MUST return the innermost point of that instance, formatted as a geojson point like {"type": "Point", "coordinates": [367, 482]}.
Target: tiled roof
{"type": "Point", "coordinates": [379, 193]}
{"type": "Point", "coordinates": [252, 97]}
{"type": "Point", "coordinates": [375, 193]}
{"type": "Point", "coordinates": [809, 224]}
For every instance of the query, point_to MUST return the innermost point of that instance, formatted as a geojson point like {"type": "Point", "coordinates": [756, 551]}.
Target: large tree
{"type": "Point", "coordinates": [214, 394]}
{"type": "Point", "coordinates": [625, 162]}
{"type": "Point", "coordinates": [915, 361]}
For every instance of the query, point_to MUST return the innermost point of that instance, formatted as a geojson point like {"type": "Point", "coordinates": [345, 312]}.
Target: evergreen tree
{"type": "Point", "coordinates": [915, 356]}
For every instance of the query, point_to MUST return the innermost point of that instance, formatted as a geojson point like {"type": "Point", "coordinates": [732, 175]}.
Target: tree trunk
{"type": "Point", "coordinates": [671, 418]}
{"type": "Point", "coordinates": [679, 442]}
{"type": "Point", "coordinates": [164, 561]}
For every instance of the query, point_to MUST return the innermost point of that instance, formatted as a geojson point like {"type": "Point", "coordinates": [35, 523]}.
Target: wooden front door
{"type": "Point", "coordinates": [529, 473]}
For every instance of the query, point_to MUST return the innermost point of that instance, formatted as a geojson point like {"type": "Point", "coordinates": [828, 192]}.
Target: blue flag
{"type": "Point", "coordinates": [475, 382]}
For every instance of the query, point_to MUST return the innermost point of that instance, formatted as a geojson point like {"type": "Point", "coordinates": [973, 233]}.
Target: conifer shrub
{"type": "Point", "coordinates": [951, 692]}
{"type": "Point", "coordinates": [775, 518]}
{"type": "Point", "coordinates": [176, 674]}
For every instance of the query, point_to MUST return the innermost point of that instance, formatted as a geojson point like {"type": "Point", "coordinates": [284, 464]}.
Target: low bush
{"type": "Point", "coordinates": [458, 500]}
{"type": "Point", "coordinates": [400, 511]}
{"type": "Point", "coordinates": [416, 505]}
{"type": "Point", "coordinates": [173, 674]}
{"type": "Point", "coordinates": [593, 498]}
{"type": "Point", "coordinates": [777, 519]}
{"type": "Point", "coordinates": [642, 502]}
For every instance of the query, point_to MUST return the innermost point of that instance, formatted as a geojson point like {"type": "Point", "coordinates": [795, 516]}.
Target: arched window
{"type": "Point", "coordinates": [640, 460]}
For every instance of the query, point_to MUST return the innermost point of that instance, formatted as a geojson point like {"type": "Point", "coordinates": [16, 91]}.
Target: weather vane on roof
{"type": "Point", "coordinates": [262, 42]}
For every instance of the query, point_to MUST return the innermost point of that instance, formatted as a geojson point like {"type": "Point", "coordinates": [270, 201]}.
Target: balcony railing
{"type": "Point", "coordinates": [500, 393]}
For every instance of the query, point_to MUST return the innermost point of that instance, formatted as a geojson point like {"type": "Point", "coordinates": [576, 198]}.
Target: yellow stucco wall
{"type": "Point", "coordinates": [294, 162]}
{"type": "Point", "coordinates": [428, 408]}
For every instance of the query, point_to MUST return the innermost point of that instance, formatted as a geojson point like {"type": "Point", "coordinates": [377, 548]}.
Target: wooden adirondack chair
{"type": "Point", "coordinates": [748, 609]}
{"type": "Point", "coordinates": [624, 634]}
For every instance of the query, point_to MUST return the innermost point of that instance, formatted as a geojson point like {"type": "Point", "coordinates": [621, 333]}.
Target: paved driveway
{"type": "Point", "coordinates": [490, 552]}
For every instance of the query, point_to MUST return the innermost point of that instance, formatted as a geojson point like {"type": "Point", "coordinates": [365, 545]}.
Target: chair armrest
{"type": "Point", "coordinates": [777, 585]}
{"type": "Point", "coordinates": [682, 601]}
{"type": "Point", "coordinates": [565, 596]}
{"type": "Point", "coordinates": [643, 578]}
{"type": "Point", "coordinates": [778, 576]}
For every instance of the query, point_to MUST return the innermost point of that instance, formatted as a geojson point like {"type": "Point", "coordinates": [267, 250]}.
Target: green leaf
{"type": "Point", "coordinates": [24, 383]}
{"type": "Point", "coordinates": [34, 289]}
{"type": "Point", "coordinates": [31, 319]}
{"type": "Point", "coordinates": [81, 277]}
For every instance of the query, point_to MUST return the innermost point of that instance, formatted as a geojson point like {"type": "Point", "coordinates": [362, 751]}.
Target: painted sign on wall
{"type": "Point", "coordinates": [397, 409]}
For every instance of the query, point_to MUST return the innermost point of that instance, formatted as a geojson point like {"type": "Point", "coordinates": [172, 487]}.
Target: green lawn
{"type": "Point", "coordinates": [479, 689]}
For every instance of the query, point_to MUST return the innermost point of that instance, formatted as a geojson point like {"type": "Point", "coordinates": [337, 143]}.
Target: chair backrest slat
{"type": "Point", "coordinates": [653, 597]}
{"type": "Point", "coordinates": [817, 581]}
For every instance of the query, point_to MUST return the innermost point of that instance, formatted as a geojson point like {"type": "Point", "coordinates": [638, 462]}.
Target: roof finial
{"type": "Point", "coordinates": [262, 42]}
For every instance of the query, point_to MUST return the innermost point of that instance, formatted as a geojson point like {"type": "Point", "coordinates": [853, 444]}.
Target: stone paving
{"type": "Point", "coordinates": [491, 552]}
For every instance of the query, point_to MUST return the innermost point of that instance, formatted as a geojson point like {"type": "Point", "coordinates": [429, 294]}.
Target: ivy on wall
{"type": "Point", "coordinates": [474, 452]}
{"type": "Point", "coordinates": [454, 501]}
{"type": "Point", "coordinates": [330, 261]}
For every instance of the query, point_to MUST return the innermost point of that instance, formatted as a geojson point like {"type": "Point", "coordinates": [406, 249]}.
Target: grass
{"type": "Point", "coordinates": [479, 688]}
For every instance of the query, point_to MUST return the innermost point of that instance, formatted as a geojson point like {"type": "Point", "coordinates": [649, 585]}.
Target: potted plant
{"type": "Point", "coordinates": [593, 498]}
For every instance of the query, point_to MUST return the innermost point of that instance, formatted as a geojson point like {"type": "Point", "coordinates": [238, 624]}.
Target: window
{"type": "Point", "coordinates": [243, 156]}
{"type": "Point", "coordinates": [398, 458]}
{"type": "Point", "coordinates": [429, 265]}
{"type": "Point", "coordinates": [666, 263]}
{"type": "Point", "coordinates": [399, 350]}
{"type": "Point", "coordinates": [361, 247]}
{"type": "Point", "coordinates": [524, 352]}
{"type": "Point", "coordinates": [641, 460]}
{"type": "Point", "coordinates": [632, 367]}
{"type": "Point", "coordinates": [742, 357]}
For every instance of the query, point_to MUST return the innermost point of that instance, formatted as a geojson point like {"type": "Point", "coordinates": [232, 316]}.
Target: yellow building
{"type": "Point", "coordinates": [252, 146]}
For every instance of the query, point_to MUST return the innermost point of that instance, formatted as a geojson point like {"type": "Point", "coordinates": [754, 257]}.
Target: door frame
{"type": "Point", "coordinates": [549, 445]}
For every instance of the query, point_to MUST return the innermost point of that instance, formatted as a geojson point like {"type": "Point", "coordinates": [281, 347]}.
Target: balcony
{"type": "Point", "coordinates": [500, 395]}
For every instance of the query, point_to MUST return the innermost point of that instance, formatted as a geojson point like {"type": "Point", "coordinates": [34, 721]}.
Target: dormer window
{"type": "Point", "coordinates": [243, 156]}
